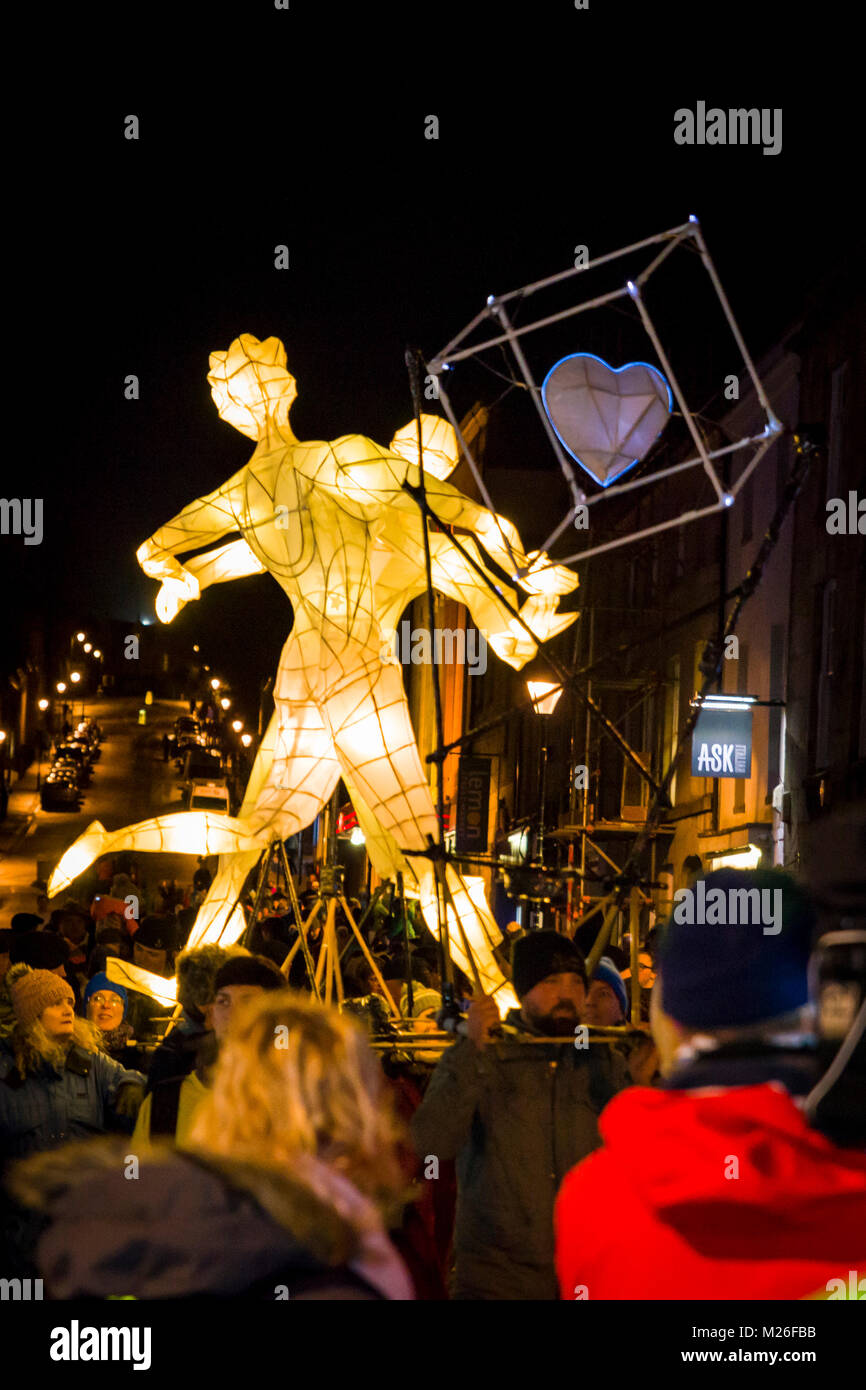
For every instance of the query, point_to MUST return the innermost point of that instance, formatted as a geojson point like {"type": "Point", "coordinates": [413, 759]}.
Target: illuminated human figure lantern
{"type": "Point", "coordinates": [333, 524]}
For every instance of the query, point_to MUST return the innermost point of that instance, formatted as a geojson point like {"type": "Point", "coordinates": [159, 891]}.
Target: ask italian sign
{"type": "Point", "coordinates": [722, 743]}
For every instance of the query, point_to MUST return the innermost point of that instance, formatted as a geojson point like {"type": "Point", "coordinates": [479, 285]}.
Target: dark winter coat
{"type": "Point", "coordinates": [176, 1054]}
{"type": "Point", "coordinates": [192, 1226]}
{"type": "Point", "coordinates": [517, 1116]}
{"type": "Point", "coordinates": [49, 1107]}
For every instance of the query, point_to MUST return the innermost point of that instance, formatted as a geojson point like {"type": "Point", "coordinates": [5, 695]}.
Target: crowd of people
{"type": "Point", "coordinates": [255, 1143]}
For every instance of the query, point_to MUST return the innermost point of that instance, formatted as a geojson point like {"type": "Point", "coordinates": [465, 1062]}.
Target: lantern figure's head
{"type": "Point", "coordinates": [250, 383]}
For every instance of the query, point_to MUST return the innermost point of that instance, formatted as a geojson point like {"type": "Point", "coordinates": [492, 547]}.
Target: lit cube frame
{"type": "Point", "coordinates": [461, 348]}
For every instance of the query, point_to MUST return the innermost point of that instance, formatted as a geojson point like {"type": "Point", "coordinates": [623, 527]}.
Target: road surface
{"type": "Point", "coordinates": [130, 783]}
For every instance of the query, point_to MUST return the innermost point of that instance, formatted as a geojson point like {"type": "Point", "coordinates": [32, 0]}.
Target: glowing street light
{"type": "Point", "coordinates": [2, 735]}
{"type": "Point", "coordinates": [246, 740]}
{"type": "Point", "coordinates": [80, 636]}
{"type": "Point", "coordinates": [237, 725]}
{"type": "Point", "coordinates": [43, 704]}
{"type": "Point", "coordinates": [225, 702]}
{"type": "Point", "coordinates": [544, 696]}
{"type": "Point", "coordinates": [75, 677]}
{"type": "Point", "coordinates": [195, 646]}
{"type": "Point", "coordinates": [88, 646]}
{"type": "Point", "coordinates": [61, 687]}
{"type": "Point", "coordinates": [215, 684]}
{"type": "Point", "coordinates": [97, 654]}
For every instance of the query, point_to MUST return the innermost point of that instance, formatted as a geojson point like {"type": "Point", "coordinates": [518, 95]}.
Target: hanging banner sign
{"type": "Point", "coordinates": [473, 805]}
{"type": "Point", "coordinates": [722, 743]}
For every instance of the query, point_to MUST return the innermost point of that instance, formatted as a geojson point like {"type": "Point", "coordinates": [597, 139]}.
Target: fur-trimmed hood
{"type": "Point", "coordinates": [192, 1225]}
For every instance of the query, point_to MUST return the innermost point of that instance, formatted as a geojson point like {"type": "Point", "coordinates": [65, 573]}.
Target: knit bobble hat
{"type": "Point", "coordinates": [35, 991]}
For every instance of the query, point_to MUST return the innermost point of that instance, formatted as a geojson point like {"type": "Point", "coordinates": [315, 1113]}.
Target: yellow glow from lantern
{"type": "Point", "coordinates": [439, 441]}
{"type": "Point", "coordinates": [747, 858]}
{"type": "Point", "coordinates": [61, 687]}
{"type": "Point", "coordinates": [98, 654]}
{"type": "Point", "coordinates": [330, 520]}
{"type": "Point", "coordinates": [123, 972]}
{"type": "Point", "coordinates": [43, 704]}
{"type": "Point", "coordinates": [75, 677]}
{"type": "Point", "coordinates": [88, 646]}
{"type": "Point", "coordinates": [225, 702]}
{"type": "Point", "coordinates": [80, 636]}
{"type": "Point", "coordinates": [77, 858]}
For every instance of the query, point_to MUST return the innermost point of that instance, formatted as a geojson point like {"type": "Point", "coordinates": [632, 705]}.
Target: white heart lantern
{"type": "Point", "coordinates": [607, 417]}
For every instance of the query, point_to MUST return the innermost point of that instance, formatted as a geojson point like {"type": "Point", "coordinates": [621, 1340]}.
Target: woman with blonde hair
{"type": "Point", "coordinates": [56, 1082]}
{"type": "Point", "coordinates": [282, 1191]}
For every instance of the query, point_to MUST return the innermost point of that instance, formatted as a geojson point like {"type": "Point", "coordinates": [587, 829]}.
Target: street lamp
{"type": "Point", "coordinates": [61, 687]}
{"type": "Point", "coordinates": [75, 677]}
{"type": "Point", "coordinates": [98, 655]}
{"type": "Point", "coordinates": [88, 646]}
{"type": "Point", "coordinates": [237, 725]}
{"type": "Point", "coordinates": [545, 696]}
{"type": "Point", "coordinates": [214, 685]}
{"type": "Point", "coordinates": [80, 636]}
{"type": "Point", "coordinates": [246, 739]}
{"type": "Point", "coordinates": [43, 706]}
{"type": "Point", "coordinates": [225, 702]}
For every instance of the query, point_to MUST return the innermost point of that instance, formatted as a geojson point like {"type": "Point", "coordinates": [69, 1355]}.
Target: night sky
{"type": "Point", "coordinates": [261, 127]}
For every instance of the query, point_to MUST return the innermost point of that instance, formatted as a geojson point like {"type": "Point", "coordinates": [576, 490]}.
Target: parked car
{"type": "Point", "coordinates": [87, 748]}
{"type": "Point", "coordinates": [60, 791]}
{"type": "Point", "coordinates": [70, 767]}
{"type": "Point", "coordinates": [209, 796]}
{"type": "Point", "coordinates": [70, 754]}
{"type": "Point", "coordinates": [201, 765]}
{"type": "Point", "coordinates": [86, 734]}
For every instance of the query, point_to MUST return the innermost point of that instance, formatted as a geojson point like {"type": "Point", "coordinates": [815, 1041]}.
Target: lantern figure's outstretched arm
{"type": "Point", "coordinates": [232, 561]}
{"type": "Point", "coordinates": [201, 523]}
{"type": "Point", "coordinates": [359, 472]}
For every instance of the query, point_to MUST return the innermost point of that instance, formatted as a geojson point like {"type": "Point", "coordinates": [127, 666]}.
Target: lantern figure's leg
{"type": "Point", "coordinates": [220, 920]}
{"type": "Point", "coordinates": [293, 777]}
{"type": "Point", "coordinates": [376, 745]}
{"type": "Point", "coordinates": [182, 832]}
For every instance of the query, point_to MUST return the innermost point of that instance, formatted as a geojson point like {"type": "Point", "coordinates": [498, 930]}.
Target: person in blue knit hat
{"type": "Point", "coordinates": [105, 1003]}
{"type": "Point", "coordinates": [607, 999]}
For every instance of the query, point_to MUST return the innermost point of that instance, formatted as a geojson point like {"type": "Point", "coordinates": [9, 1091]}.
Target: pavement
{"type": "Point", "coordinates": [130, 783]}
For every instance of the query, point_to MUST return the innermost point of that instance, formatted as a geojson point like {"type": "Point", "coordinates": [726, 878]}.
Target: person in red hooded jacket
{"type": "Point", "coordinates": [714, 1186]}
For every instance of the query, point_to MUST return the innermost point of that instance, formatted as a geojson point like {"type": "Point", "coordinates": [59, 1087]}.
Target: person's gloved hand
{"type": "Point", "coordinates": [129, 1098]}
